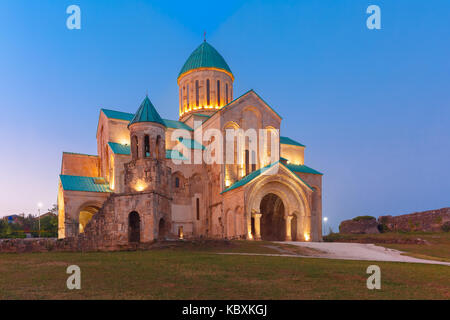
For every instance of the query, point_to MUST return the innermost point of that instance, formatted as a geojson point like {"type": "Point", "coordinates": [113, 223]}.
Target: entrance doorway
{"type": "Point", "coordinates": [273, 224]}
{"type": "Point", "coordinates": [134, 227]}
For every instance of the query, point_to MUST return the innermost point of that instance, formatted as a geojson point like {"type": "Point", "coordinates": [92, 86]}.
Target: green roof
{"type": "Point", "coordinates": [286, 140]}
{"type": "Point", "coordinates": [257, 173]}
{"type": "Point", "coordinates": [191, 144]}
{"type": "Point", "coordinates": [176, 125]}
{"type": "Point", "coordinates": [249, 177]}
{"type": "Point", "coordinates": [302, 168]}
{"type": "Point", "coordinates": [205, 56]}
{"type": "Point", "coordinates": [147, 113]}
{"type": "Point", "coordinates": [79, 183]}
{"type": "Point", "coordinates": [175, 154]}
{"type": "Point", "coordinates": [112, 114]}
{"type": "Point", "coordinates": [118, 148]}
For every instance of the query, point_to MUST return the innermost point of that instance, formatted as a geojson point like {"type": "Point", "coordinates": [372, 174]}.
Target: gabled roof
{"type": "Point", "coordinates": [286, 140]}
{"type": "Point", "coordinates": [176, 125]}
{"type": "Point", "coordinates": [302, 168]}
{"type": "Point", "coordinates": [112, 114]}
{"type": "Point", "coordinates": [147, 113]}
{"type": "Point", "coordinates": [79, 183]}
{"type": "Point", "coordinates": [248, 178]}
{"type": "Point", "coordinates": [205, 56]}
{"type": "Point", "coordinates": [240, 97]}
{"type": "Point", "coordinates": [118, 148]}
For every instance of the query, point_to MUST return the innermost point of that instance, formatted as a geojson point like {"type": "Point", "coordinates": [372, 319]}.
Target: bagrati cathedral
{"type": "Point", "coordinates": [142, 185]}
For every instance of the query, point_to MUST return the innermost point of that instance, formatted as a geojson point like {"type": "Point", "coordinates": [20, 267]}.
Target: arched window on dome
{"type": "Point", "coordinates": [226, 93]}
{"type": "Point", "coordinates": [197, 96]}
{"type": "Point", "coordinates": [208, 100]}
{"type": "Point", "coordinates": [218, 92]}
{"type": "Point", "coordinates": [187, 96]}
{"type": "Point", "coordinates": [182, 97]}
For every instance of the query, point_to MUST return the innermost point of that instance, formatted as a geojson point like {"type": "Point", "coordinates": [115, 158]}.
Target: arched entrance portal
{"type": "Point", "coordinates": [162, 230]}
{"type": "Point", "coordinates": [86, 214]}
{"type": "Point", "coordinates": [273, 224]}
{"type": "Point", "coordinates": [134, 227]}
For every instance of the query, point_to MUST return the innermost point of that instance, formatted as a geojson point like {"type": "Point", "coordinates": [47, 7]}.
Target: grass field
{"type": "Point", "coordinates": [197, 272]}
{"type": "Point", "coordinates": [432, 246]}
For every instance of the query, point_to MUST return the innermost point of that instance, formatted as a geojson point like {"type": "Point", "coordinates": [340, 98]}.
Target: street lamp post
{"type": "Point", "coordinates": [325, 219]}
{"type": "Point", "coordinates": [39, 217]}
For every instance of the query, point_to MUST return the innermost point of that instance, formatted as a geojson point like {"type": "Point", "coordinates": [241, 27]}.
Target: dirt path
{"type": "Point", "coordinates": [360, 251]}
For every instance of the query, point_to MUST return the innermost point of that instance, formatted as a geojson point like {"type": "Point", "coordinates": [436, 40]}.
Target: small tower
{"type": "Point", "coordinates": [205, 82]}
{"type": "Point", "coordinates": [147, 169]}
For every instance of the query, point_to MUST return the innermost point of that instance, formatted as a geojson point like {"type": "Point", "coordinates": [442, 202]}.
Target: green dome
{"type": "Point", "coordinates": [147, 113]}
{"type": "Point", "coordinates": [205, 56]}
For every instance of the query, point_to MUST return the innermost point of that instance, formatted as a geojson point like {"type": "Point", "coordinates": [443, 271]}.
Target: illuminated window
{"type": "Point", "coordinates": [226, 93]}
{"type": "Point", "coordinates": [207, 93]}
{"type": "Point", "coordinates": [187, 97]}
{"type": "Point", "coordinates": [218, 92]}
{"type": "Point", "coordinates": [197, 97]}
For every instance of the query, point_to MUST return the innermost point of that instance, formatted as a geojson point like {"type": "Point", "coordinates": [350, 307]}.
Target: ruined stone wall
{"type": "Point", "coordinates": [428, 221]}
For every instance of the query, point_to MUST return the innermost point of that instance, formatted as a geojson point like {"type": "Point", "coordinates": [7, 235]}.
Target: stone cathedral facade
{"type": "Point", "coordinates": [143, 184]}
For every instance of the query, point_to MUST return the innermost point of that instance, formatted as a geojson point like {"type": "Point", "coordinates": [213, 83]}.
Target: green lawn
{"type": "Point", "coordinates": [196, 272]}
{"type": "Point", "coordinates": [435, 246]}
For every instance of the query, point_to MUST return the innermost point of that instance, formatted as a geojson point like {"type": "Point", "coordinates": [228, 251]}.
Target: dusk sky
{"type": "Point", "coordinates": [372, 106]}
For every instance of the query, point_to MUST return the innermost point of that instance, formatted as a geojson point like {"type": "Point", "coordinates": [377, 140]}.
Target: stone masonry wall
{"type": "Point", "coordinates": [428, 221]}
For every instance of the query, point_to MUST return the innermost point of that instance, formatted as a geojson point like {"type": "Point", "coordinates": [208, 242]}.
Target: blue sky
{"type": "Point", "coordinates": [372, 106]}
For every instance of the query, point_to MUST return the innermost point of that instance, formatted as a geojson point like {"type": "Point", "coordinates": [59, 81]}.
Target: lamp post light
{"type": "Point", "coordinates": [39, 217]}
{"type": "Point", "coordinates": [325, 219]}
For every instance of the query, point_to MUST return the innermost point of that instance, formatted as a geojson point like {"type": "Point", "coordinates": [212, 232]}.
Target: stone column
{"type": "Point", "coordinates": [257, 217]}
{"type": "Point", "coordinates": [288, 227]}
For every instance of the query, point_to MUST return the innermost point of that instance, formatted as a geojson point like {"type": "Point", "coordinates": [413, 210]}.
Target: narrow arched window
{"type": "Point", "coordinates": [198, 208]}
{"type": "Point", "coordinates": [226, 93]}
{"type": "Point", "coordinates": [158, 142]}
{"type": "Point", "coordinates": [197, 96]}
{"type": "Point", "coordinates": [218, 92]}
{"type": "Point", "coordinates": [208, 100]}
{"type": "Point", "coordinates": [177, 182]}
{"type": "Point", "coordinates": [187, 97]}
{"type": "Point", "coordinates": [146, 146]}
{"type": "Point", "coordinates": [183, 102]}
{"type": "Point", "coordinates": [136, 147]}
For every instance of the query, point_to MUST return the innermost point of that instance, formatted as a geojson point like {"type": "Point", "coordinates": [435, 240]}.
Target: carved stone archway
{"type": "Point", "coordinates": [294, 198]}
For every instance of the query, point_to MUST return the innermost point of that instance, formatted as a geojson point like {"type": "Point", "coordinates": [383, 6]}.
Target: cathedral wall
{"type": "Point", "coordinates": [117, 184]}
{"type": "Point", "coordinates": [80, 165]}
{"type": "Point", "coordinates": [295, 154]}
{"type": "Point", "coordinates": [73, 202]}
{"type": "Point", "coordinates": [315, 181]}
